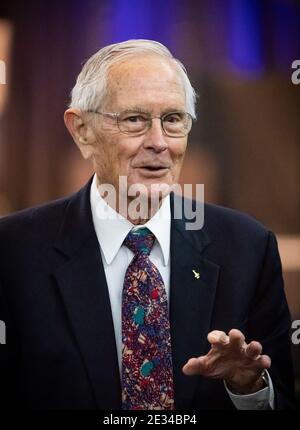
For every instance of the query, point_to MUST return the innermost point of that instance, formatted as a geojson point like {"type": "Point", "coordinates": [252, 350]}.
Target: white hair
{"type": "Point", "coordinates": [90, 89]}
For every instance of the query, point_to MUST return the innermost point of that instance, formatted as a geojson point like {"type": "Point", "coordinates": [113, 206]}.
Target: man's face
{"type": "Point", "coordinates": [149, 84]}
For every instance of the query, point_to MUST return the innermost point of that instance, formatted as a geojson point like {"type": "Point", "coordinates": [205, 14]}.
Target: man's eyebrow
{"type": "Point", "coordinates": [173, 109]}
{"type": "Point", "coordinates": [141, 110]}
{"type": "Point", "coordinates": [134, 109]}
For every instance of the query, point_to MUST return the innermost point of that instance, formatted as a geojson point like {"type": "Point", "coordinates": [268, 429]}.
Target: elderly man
{"type": "Point", "coordinates": [106, 309]}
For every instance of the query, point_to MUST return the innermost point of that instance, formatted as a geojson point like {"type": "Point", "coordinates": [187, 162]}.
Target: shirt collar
{"type": "Point", "coordinates": [112, 228]}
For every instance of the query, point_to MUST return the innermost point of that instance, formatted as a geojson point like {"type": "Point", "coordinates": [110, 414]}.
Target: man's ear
{"type": "Point", "coordinates": [81, 132]}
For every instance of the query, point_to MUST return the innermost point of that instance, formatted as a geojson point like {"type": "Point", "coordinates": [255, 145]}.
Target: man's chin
{"type": "Point", "coordinates": [150, 191]}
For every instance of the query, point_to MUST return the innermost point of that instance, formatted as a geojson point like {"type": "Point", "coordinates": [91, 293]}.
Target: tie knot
{"type": "Point", "coordinates": [140, 241]}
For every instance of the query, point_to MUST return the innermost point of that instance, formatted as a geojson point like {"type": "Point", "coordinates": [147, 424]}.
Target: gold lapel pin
{"type": "Point", "coordinates": [196, 274]}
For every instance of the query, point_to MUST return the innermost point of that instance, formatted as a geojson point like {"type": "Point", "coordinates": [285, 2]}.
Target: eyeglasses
{"type": "Point", "coordinates": [174, 124]}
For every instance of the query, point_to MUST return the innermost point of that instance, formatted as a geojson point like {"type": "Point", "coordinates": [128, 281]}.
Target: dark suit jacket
{"type": "Point", "coordinates": [60, 350]}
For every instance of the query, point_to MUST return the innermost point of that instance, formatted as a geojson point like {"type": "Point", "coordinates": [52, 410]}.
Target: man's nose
{"type": "Point", "coordinates": [155, 138]}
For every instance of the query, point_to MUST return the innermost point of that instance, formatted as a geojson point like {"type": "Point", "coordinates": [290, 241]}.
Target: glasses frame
{"type": "Point", "coordinates": [116, 116]}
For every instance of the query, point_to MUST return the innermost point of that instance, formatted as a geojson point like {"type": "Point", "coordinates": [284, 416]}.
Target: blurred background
{"type": "Point", "coordinates": [245, 146]}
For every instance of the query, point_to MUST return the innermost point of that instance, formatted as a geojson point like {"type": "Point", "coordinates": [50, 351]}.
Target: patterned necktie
{"type": "Point", "coordinates": [147, 375]}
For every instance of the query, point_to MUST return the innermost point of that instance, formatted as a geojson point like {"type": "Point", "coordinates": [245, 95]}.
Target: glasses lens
{"type": "Point", "coordinates": [177, 124]}
{"type": "Point", "coordinates": [133, 122]}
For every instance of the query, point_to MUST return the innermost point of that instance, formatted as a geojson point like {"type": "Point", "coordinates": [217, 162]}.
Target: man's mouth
{"type": "Point", "coordinates": [153, 170]}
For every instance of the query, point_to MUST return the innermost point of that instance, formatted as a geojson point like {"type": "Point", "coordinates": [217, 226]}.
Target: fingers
{"type": "Point", "coordinates": [195, 366]}
{"type": "Point", "coordinates": [265, 362]}
{"type": "Point", "coordinates": [228, 353]}
{"type": "Point", "coordinates": [236, 339]}
{"type": "Point", "coordinates": [217, 337]}
{"type": "Point", "coordinates": [253, 350]}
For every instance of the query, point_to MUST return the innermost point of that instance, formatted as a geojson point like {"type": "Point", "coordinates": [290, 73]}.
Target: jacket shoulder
{"type": "Point", "coordinates": [237, 233]}
{"type": "Point", "coordinates": [39, 218]}
{"type": "Point", "coordinates": [221, 217]}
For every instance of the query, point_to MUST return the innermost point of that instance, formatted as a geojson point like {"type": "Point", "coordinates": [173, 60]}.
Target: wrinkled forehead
{"type": "Point", "coordinates": [141, 76]}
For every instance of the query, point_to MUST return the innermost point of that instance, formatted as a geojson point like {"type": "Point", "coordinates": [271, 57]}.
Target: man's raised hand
{"type": "Point", "coordinates": [233, 360]}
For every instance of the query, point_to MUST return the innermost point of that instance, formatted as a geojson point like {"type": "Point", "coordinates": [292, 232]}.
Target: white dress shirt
{"type": "Point", "coordinates": [111, 230]}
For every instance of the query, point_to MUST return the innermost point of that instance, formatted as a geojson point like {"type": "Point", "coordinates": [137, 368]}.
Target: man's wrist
{"type": "Point", "coordinates": [259, 384]}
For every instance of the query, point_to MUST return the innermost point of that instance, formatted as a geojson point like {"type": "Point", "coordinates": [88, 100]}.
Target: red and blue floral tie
{"type": "Point", "coordinates": [147, 374]}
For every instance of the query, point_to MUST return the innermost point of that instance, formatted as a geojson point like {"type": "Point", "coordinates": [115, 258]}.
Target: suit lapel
{"type": "Point", "coordinates": [191, 304]}
{"type": "Point", "coordinates": [82, 283]}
